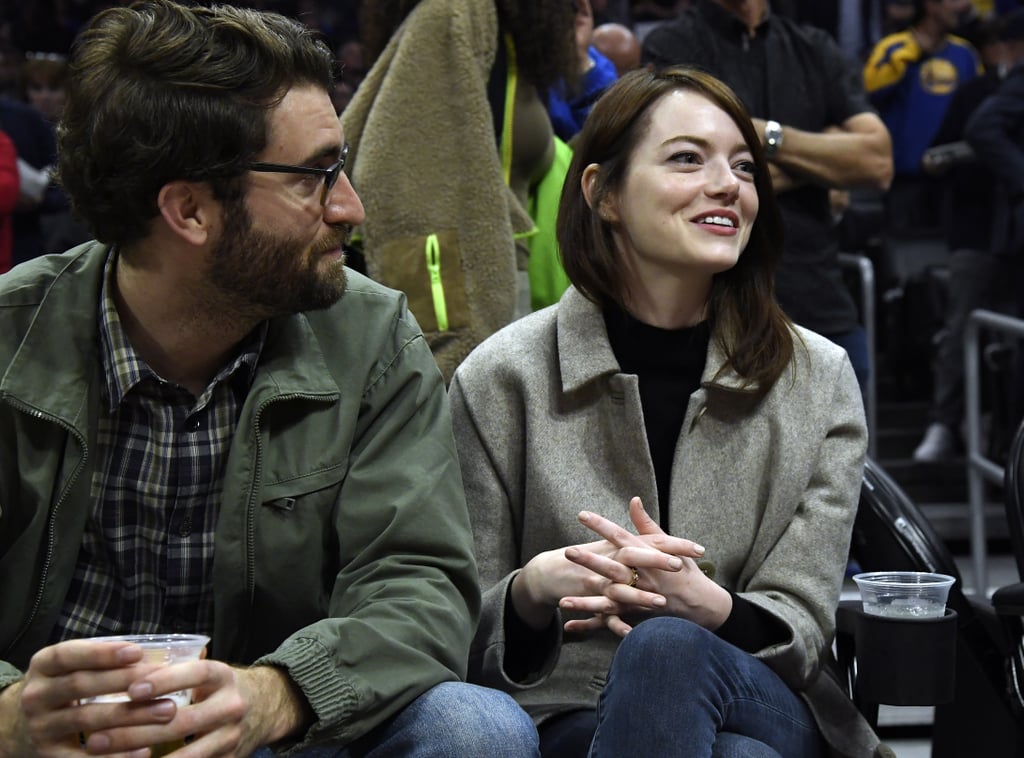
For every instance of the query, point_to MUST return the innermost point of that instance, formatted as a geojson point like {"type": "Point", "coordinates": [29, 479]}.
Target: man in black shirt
{"type": "Point", "coordinates": [819, 131]}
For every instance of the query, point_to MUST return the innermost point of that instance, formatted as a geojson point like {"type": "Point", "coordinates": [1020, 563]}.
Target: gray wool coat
{"type": "Point", "coordinates": [546, 426]}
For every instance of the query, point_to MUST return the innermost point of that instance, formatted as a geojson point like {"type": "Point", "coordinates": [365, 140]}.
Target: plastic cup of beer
{"type": "Point", "coordinates": [904, 594]}
{"type": "Point", "coordinates": [166, 649]}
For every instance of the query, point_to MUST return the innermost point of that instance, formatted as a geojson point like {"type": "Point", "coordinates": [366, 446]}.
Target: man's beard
{"type": "Point", "coordinates": [261, 275]}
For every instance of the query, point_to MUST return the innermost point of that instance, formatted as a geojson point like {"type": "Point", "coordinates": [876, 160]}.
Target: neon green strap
{"type": "Point", "coordinates": [510, 104]}
{"type": "Point", "coordinates": [433, 250]}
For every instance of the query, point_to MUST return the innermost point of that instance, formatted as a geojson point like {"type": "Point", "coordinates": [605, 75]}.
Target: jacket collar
{"type": "Point", "coordinates": [585, 354]}
{"type": "Point", "coordinates": [58, 360]}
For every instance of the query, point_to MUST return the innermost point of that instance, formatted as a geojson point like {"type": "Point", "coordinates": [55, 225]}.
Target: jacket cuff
{"type": "Point", "coordinates": [331, 697]}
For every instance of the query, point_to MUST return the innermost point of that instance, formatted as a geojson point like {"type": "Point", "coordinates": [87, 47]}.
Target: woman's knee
{"type": "Point", "coordinates": [654, 641]}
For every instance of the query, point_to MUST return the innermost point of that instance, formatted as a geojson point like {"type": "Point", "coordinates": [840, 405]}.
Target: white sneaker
{"type": "Point", "coordinates": [939, 444]}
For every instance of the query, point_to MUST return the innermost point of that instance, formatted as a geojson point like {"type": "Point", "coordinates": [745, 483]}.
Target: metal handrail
{"type": "Point", "coordinates": [980, 468]}
{"type": "Point", "coordinates": [867, 301]}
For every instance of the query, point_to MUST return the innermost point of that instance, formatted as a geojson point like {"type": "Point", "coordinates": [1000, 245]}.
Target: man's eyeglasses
{"type": "Point", "coordinates": [330, 174]}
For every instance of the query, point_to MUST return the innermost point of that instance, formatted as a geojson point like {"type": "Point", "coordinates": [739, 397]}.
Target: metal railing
{"type": "Point", "coordinates": [979, 468]}
{"type": "Point", "coordinates": [867, 308]}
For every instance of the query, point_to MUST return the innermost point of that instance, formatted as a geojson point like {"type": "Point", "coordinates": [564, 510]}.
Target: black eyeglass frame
{"type": "Point", "coordinates": [330, 174]}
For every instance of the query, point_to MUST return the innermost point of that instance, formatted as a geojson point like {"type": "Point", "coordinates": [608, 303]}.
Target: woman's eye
{"type": "Point", "coordinates": [746, 167]}
{"type": "Point", "coordinates": [686, 156]}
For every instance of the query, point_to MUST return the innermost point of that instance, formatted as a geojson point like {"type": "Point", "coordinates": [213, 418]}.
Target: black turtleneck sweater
{"type": "Point", "coordinates": [668, 364]}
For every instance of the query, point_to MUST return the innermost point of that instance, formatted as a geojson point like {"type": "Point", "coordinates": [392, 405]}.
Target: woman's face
{"type": "Point", "coordinates": [688, 201]}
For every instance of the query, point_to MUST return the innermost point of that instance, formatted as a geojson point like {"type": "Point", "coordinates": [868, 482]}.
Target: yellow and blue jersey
{"type": "Point", "coordinates": [912, 90]}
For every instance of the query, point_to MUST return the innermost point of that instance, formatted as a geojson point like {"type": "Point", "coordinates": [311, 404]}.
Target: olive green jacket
{"type": "Point", "coordinates": [343, 550]}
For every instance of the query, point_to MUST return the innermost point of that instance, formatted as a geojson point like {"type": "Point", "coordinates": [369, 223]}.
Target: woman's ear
{"type": "Point", "coordinates": [588, 183]}
{"type": "Point", "coordinates": [187, 210]}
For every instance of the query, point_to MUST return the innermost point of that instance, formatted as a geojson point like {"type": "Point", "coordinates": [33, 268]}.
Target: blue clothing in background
{"type": "Point", "coordinates": [567, 116]}
{"type": "Point", "coordinates": [912, 89]}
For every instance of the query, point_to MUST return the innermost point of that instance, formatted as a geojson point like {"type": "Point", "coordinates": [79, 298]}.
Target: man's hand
{"type": "Point", "coordinates": [234, 711]}
{"type": "Point", "coordinates": [39, 716]}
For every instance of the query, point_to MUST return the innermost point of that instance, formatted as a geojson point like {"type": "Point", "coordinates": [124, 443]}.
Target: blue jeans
{"type": "Point", "coordinates": [450, 720]}
{"type": "Point", "coordinates": [676, 689]}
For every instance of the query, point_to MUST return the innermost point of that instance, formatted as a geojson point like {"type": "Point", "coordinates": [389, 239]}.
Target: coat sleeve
{"type": "Point", "coordinates": [492, 475]}
{"type": "Point", "coordinates": [800, 578]}
{"type": "Point", "coordinates": [405, 602]}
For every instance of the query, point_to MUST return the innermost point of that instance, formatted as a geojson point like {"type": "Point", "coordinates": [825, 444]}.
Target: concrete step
{"type": "Point", "coordinates": [929, 482]}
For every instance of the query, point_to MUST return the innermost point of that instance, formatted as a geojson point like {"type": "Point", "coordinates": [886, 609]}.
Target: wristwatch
{"type": "Point", "coordinates": [772, 137]}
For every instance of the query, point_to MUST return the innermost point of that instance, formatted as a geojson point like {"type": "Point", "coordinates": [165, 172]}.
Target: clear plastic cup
{"type": "Point", "coordinates": [904, 594]}
{"type": "Point", "coordinates": [167, 649]}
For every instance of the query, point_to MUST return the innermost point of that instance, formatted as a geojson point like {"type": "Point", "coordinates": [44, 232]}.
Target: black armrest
{"type": "Point", "coordinates": [1009, 600]}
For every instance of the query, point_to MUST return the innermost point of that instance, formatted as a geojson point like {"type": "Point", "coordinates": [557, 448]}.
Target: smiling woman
{"type": "Point", "coordinates": [650, 506]}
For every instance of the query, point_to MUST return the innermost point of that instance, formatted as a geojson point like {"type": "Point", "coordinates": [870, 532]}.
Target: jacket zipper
{"type": "Point", "coordinates": [52, 522]}
{"type": "Point", "coordinates": [250, 513]}
{"type": "Point", "coordinates": [433, 251]}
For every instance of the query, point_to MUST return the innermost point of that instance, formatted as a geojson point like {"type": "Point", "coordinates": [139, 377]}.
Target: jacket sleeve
{"type": "Point", "coordinates": [490, 473]}
{"type": "Point", "coordinates": [887, 66]}
{"type": "Point", "coordinates": [800, 578]}
{"type": "Point", "coordinates": [994, 131]}
{"type": "Point", "coordinates": [406, 600]}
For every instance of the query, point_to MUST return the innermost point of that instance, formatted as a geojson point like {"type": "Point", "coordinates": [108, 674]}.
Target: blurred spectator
{"type": "Point", "coordinates": [9, 184]}
{"type": "Point", "coordinates": [569, 103]}
{"type": "Point", "coordinates": [351, 71]}
{"type": "Point", "coordinates": [897, 15]}
{"type": "Point", "coordinates": [978, 276]}
{"type": "Point", "coordinates": [996, 133]}
{"type": "Point", "coordinates": [910, 78]}
{"type": "Point", "coordinates": [617, 43]}
{"type": "Point", "coordinates": [43, 79]}
{"type": "Point", "coordinates": [34, 139]}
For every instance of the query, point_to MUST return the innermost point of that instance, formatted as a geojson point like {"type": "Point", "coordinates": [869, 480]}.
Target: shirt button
{"type": "Point", "coordinates": [186, 527]}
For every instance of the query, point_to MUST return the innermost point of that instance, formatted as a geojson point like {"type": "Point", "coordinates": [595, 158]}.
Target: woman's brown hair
{"type": "Point", "coordinates": [755, 334]}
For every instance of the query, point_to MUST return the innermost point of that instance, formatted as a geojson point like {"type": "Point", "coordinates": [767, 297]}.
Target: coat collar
{"type": "Point", "coordinates": [585, 354]}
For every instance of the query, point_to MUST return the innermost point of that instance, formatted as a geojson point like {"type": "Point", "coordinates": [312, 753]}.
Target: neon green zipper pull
{"type": "Point", "coordinates": [433, 250]}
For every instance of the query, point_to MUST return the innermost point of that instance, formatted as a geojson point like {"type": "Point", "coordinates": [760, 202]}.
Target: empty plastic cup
{"type": "Point", "coordinates": [904, 594]}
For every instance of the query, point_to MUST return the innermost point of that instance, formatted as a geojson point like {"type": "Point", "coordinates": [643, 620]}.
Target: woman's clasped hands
{"type": "Point", "coordinates": [621, 575]}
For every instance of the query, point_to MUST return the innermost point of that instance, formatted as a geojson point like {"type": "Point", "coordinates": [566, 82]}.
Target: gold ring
{"type": "Point", "coordinates": [635, 578]}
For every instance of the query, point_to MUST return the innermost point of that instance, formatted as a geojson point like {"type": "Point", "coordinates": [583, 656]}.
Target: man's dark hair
{"type": "Point", "coordinates": [159, 92]}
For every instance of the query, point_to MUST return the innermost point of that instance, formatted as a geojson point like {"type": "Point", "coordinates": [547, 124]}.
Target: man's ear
{"type": "Point", "coordinates": [187, 209]}
{"type": "Point", "coordinates": [588, 182]}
